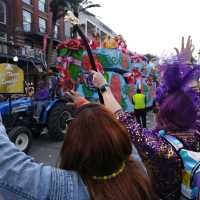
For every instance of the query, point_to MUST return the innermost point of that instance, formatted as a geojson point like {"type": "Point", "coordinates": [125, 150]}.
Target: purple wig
{"type": "Point", "coordinates": [178, 102]}
{"type": "Point", "coordinates": [177, 112]}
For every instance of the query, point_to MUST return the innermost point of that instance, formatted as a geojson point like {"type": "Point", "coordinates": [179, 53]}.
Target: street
{"type": "Point", "coordinates": [46, 151]}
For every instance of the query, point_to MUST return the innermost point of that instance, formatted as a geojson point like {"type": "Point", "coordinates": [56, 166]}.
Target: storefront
{"type": "Point", "coordinates": [32, 68]}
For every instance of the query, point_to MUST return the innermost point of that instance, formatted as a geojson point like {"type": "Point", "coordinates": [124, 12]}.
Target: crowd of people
{"type": "Point", "coordinates": [106, 153]}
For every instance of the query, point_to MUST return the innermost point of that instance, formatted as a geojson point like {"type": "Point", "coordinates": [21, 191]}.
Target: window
{"type": "Point", "coordinates": [27, 1]}
{"type": "Point", "coordinates": [103, 35]}
{"type": "Point", "coordinates": [3, 49]}
{"type": "Point", "coordinates": [42, 25]}
{"type": "Point", "coordinates": [3, 46]}
{"type": "Point", "coordinates": [27, 21]}
{"type": "Point", "coordinates": [82, 27]}
{"type": "Point", "coordinates": [42, 5]}
{"type": "Point", "coordinates": [91, 28]}
{"type": "Point", "coordinates": [56, 31]}
{"type": "Point", "coordinates": [67, 27]}
{"type": "Point", "coordinates": [3, 36]}
{"type": "Point", "coordinates": [2, 12]}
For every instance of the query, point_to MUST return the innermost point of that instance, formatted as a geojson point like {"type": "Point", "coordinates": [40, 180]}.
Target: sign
{"type": "Point", "coordinates": [29, 52]}
{"type": "Point", "coordinates": [11, 79]}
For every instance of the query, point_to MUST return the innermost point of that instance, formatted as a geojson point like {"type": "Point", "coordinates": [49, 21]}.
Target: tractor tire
{"type": "Point", "coordinates": [57, 120]}
{"type": "Point", "coordinates": [21, 137]}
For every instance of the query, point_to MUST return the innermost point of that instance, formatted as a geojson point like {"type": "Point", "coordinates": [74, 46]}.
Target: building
{"type": "Point", "coordinates": [91, 24]}
{"type": "Point", "coordinates": [23, 28]}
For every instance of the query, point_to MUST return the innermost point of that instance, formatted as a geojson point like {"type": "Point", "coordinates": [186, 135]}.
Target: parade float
{"type": "Point", "coordinates": [124, 71]}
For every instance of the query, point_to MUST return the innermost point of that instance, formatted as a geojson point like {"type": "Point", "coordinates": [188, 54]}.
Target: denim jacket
{"type": "Point", "coordinates": [21, 178]}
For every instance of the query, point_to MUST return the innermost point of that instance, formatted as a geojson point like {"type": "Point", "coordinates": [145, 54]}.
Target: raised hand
{"type": "Point", "coordinates": [185, 53]}
{"type": "Point", "coordinates": [98, 79]}
{"type": "Point", "coordinates": [78, 100]}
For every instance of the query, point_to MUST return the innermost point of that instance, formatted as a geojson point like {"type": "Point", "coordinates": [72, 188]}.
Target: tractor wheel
{"type": "Point", "coordinates": [57, 120]}
{"type": "Point", "coordinates": [21, 137]}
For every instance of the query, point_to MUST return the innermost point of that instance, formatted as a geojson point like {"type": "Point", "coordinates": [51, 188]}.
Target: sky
{"type": "Point", "coordinates": [152, 26]}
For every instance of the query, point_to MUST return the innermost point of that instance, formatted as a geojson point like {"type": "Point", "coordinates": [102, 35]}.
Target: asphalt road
{"type": "Point", "coordinates": [46, 151]}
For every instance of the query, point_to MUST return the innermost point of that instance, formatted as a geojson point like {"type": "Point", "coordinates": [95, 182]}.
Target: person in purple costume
{"type": "Point", "coordinates": [177, 114]}
{"type": "Point", "coordinates": [42, 91]}
{"type": "Point", "coordinates": [41, 98]}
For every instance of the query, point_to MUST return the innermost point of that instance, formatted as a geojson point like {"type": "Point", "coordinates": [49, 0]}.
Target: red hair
{"type": "Point", "coordinates": [96, 144]}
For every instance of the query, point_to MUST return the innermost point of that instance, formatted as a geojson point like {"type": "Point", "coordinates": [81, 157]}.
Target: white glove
{"type": "Point", "coordinates": [98, 79]}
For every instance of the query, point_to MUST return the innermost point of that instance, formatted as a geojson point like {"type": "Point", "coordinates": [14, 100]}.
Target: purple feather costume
{"type": "Point", "coordinates": [178, 104]}
{"type": "Point", "coordinates": [162, 162]}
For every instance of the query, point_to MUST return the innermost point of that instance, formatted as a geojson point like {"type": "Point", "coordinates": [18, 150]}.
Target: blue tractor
{"type": "Point", "coordinates": [21, 125]}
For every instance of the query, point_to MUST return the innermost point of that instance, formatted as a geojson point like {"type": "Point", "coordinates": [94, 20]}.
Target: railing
{"type": "Point", "coordinates": [36, 56]}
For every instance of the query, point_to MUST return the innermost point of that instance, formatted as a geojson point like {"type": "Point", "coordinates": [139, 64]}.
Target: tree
{"type": "Point", "coordinates": [78, 6]}
{"type": "Point", "coordinates": [59, 8]}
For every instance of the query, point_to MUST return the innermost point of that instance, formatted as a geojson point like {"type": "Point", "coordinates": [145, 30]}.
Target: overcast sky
{"type": "Point", "coordinates": [152, 26]}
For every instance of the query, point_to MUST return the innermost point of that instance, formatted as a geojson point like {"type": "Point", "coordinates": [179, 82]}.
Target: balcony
{"type": "Point", "coordinates": [25, 54]}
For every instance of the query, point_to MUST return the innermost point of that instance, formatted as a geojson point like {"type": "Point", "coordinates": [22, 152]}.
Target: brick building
{"type": "Point", "coordinates": [23, 25]}
{"type": "Point", "coordinates": [91, 24]}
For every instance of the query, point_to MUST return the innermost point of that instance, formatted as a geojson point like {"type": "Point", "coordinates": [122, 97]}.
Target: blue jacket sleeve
{"type": "Point", "coordinates": [20, 176]}
{"type": "Point", "coordinates": [23, 179]}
